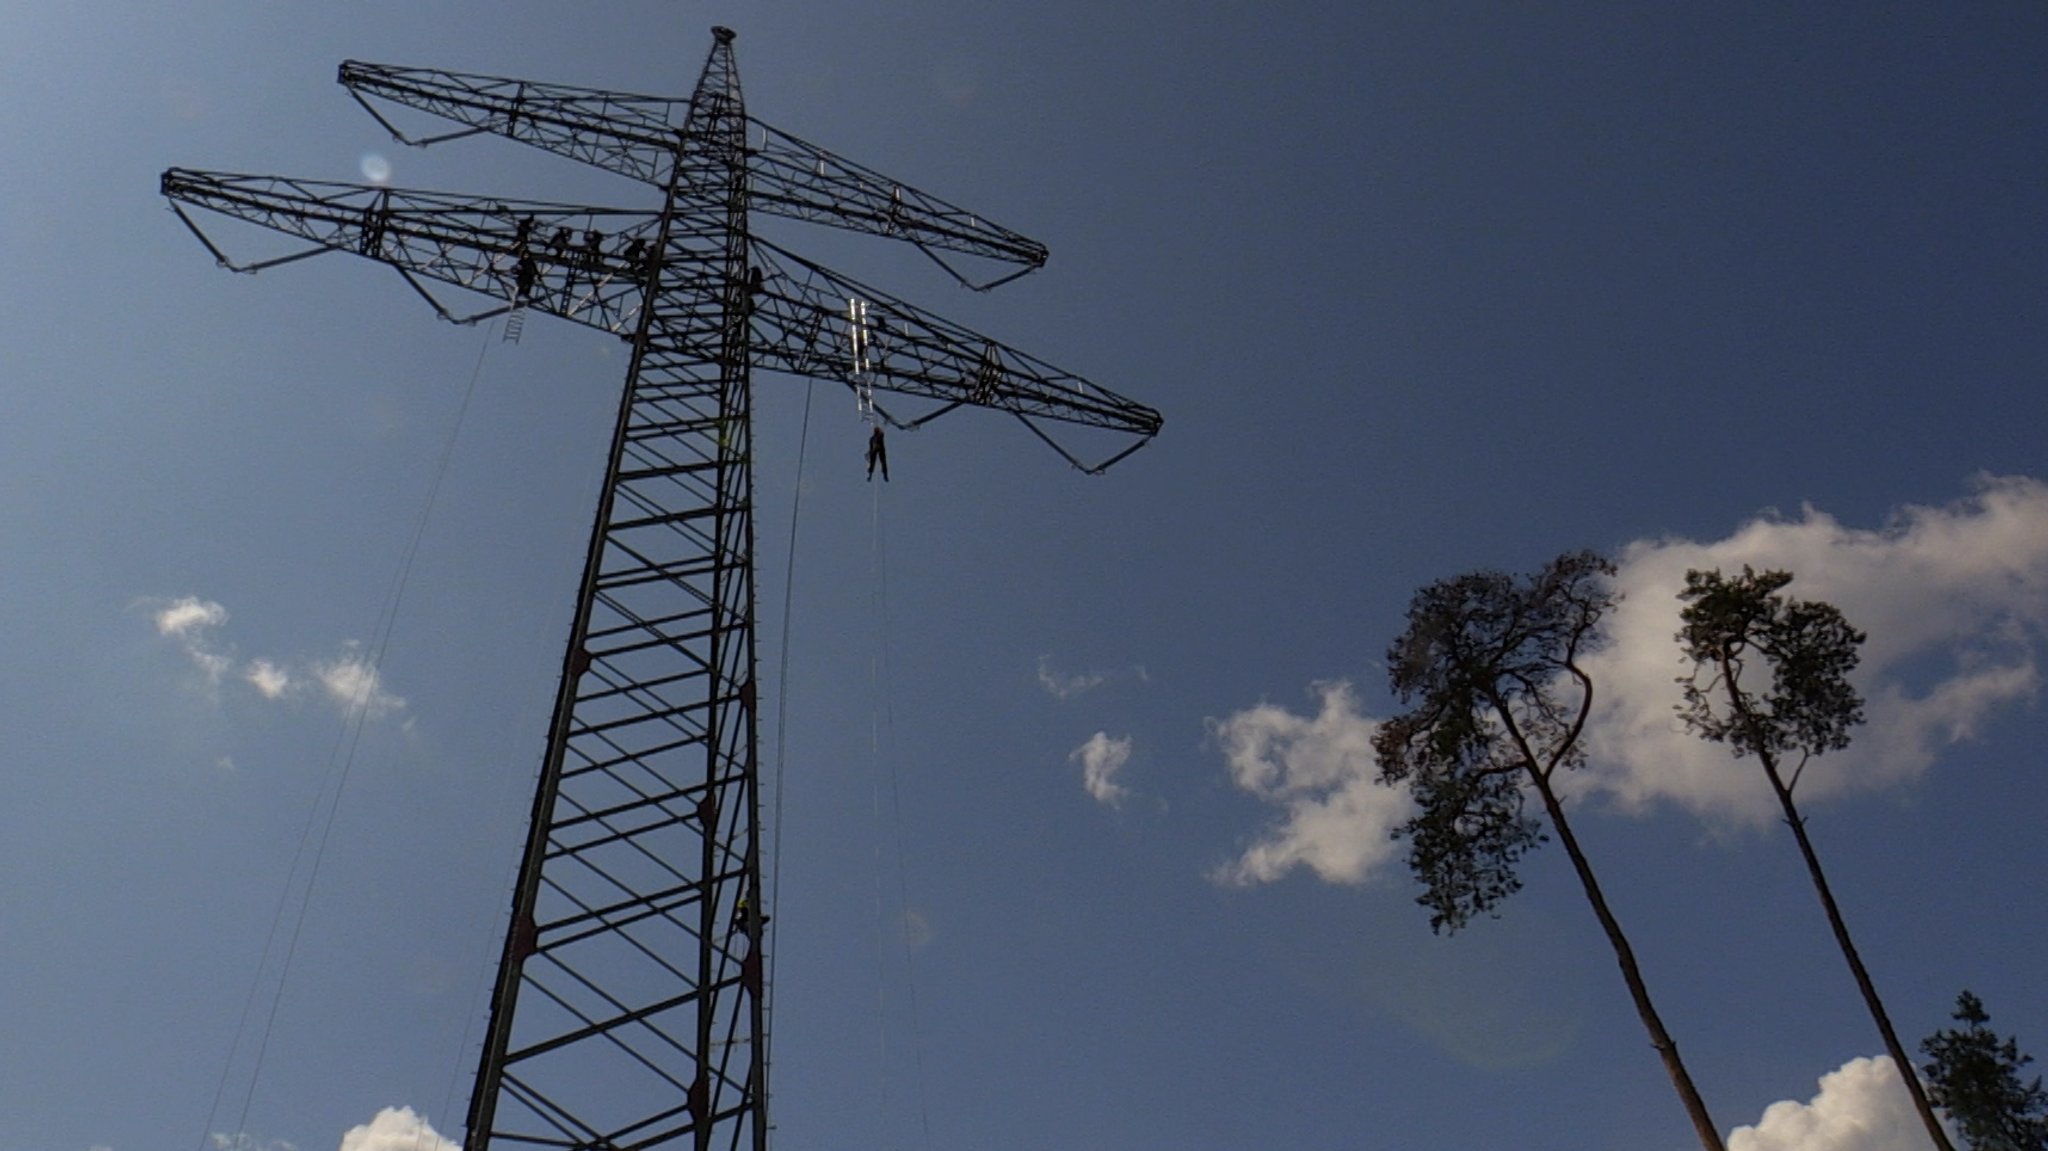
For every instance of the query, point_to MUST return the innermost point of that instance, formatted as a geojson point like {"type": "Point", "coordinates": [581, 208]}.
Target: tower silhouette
{"type": "Point", "coordinates": [629, 1005]}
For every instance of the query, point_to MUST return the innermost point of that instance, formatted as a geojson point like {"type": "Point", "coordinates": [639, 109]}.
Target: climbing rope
{"type": "Point", "coordinates": [326, 804]}
{"type": "Point", "coordinates": [881, 733]}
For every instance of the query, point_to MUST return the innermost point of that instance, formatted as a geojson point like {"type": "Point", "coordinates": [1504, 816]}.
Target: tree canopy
{"type": "Point", "coordinates": [1733, 626]}
{"type": "Point", "coordinates": [1797, 701]}
{"type": "Point", "coordinates": [1489, 661]}
{"type": "Point", "coordinates": [1974, 1075]}
{"type": "Point", "coordinates": [1490, 664]}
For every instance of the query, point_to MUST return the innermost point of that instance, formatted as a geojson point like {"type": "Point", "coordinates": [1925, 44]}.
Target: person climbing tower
{"type": "Point", "coordinates": [878, 453]}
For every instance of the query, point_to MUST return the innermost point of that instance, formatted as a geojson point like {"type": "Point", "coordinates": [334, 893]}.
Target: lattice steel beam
{"type": "Point", "coordinates": [630, 1005]}
{"type": "Point", "coordinates": [632, 135]}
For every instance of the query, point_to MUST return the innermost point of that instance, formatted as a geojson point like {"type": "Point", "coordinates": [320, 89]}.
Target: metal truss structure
{"type": "Point", "coordinates": [630, 1001]}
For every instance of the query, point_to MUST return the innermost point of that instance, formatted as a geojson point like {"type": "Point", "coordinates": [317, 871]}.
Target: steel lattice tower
{"type": "Point", "coordinates": [629, 1005]}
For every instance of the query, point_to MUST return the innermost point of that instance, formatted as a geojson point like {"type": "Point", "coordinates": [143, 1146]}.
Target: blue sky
{"type": "Point", "coordinates": [1078, 848]}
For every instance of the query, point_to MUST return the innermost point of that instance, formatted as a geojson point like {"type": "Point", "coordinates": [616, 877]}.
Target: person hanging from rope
{"type": "Point", "coordinates": [878, 453]}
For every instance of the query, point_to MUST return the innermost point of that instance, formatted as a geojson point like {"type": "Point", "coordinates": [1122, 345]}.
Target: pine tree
{"type": "Point", "coordinates": [1491, 664]}
{"type": "Point", "coordinates": [1975, 1076]}
{"type": "Point", "coordinates": [1797, 704]}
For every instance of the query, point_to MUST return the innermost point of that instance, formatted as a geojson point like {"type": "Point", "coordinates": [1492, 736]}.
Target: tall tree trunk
{"type": "Point", "coordinates": [1841, 929]}
{"type": "Point", "coordinates": [1667, 1048]}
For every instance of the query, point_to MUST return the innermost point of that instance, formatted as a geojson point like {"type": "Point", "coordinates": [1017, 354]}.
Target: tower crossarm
{"type": "Point", "coordinates": [633, 135]}
{"type": "Point", "coordinates": [589, 264]}
{"type": "Point", "coordinates": [812, 321]}
{"type": "Point", "coordinates": [637, 136]}
{"type": "Point", "coordinates": [586, 264]}
{"type": "Point", "coordinates": [795, 178]}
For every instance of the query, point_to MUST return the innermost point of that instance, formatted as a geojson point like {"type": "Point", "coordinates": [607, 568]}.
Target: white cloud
{"type": "Point", "coordinates": [1862, 1106]}
{"type": "Point", "coordinates": [350, 680]}
{"type": "Point", "coordinates": [1067, 685]}
{"type": "Point", "coordinates": [243, 1141]}
{"type": "Point", "coordinates": [189, 614]}
{"type": "Point", "coordinates": [1338, 818]}
{"type": "Point", "coordinates": [353, 683]}
{"type": "Point", "coordinates": [1952, 599]}
{"type": "Point", "coordinates": [396, 1129]}
{"type": "Point", "coordinates": [191, 620]}
{"type": "Point", "coordinates": [1100, 759]}
{"type": "Point", "coordinates": [268, 678]}
{"type": "Point", "coordinates": [214, 664]}
{"type": "Point", "coordinates": [1062, 685]}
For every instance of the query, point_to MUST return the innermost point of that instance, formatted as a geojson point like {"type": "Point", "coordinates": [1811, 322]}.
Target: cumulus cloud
{"type": "Point", "coordinates": [191, 621]}
{"type": "Point", "coordinates": [189, 615]}
{"type": "Point", "coordinates": [1337, 818]}
{"type": "Point", "coordinates": [243, 1141]}
{"type": "Point", "coordinates": [1953, 599]}
{"type": "Point", "coordinates": [1062, 685]}
{"type": "Point", "coordinates": [352, 682]}
{"type": "Point", "coordinates": [272, 681]}
{"type": "Point", "coordinates": [1862, 1106]}
{"type": "Point", "coordinates": [1067, 685]}
{"type": "Point", "coordinates": [1101, 758]}
{"type": "Point", "coordinates": [396, 1129]}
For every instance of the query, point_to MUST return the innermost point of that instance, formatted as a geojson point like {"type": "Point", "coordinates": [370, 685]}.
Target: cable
{"type": "Point", "coordinates": [796, 503]}
{"type": "Point", "coordinates": [875, 698]}
{"type": "Point", "coordinates": [883, 724]}
{"type": "Point", "coordinates": [347, 739]}
{"type": "Point", "coordinates": [476, 987]}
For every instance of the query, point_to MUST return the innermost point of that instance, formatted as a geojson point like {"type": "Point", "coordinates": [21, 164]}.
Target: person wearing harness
{"type": "Point", "coordinates": [878, 453]}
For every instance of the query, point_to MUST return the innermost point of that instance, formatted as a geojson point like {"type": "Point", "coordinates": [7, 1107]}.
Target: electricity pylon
{"type": "Point", "coordinates": [629, 1007]}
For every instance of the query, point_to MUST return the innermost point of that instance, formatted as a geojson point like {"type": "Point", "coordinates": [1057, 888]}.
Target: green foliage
{"type": "Point", "coordinates": [1975, 1076]}
{"type": "Point", "coordinates": [1806, 649]}
{"type": "Point", "coordinates": [1465, 843]}
{"type": "Point", "coordinates": [1490, 663]}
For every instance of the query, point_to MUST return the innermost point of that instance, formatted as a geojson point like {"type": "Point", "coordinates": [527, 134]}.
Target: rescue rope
{"type": "Point", "coordinates": [882, 730]}
{"type": "Point", "coordinates": [875, 697]}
